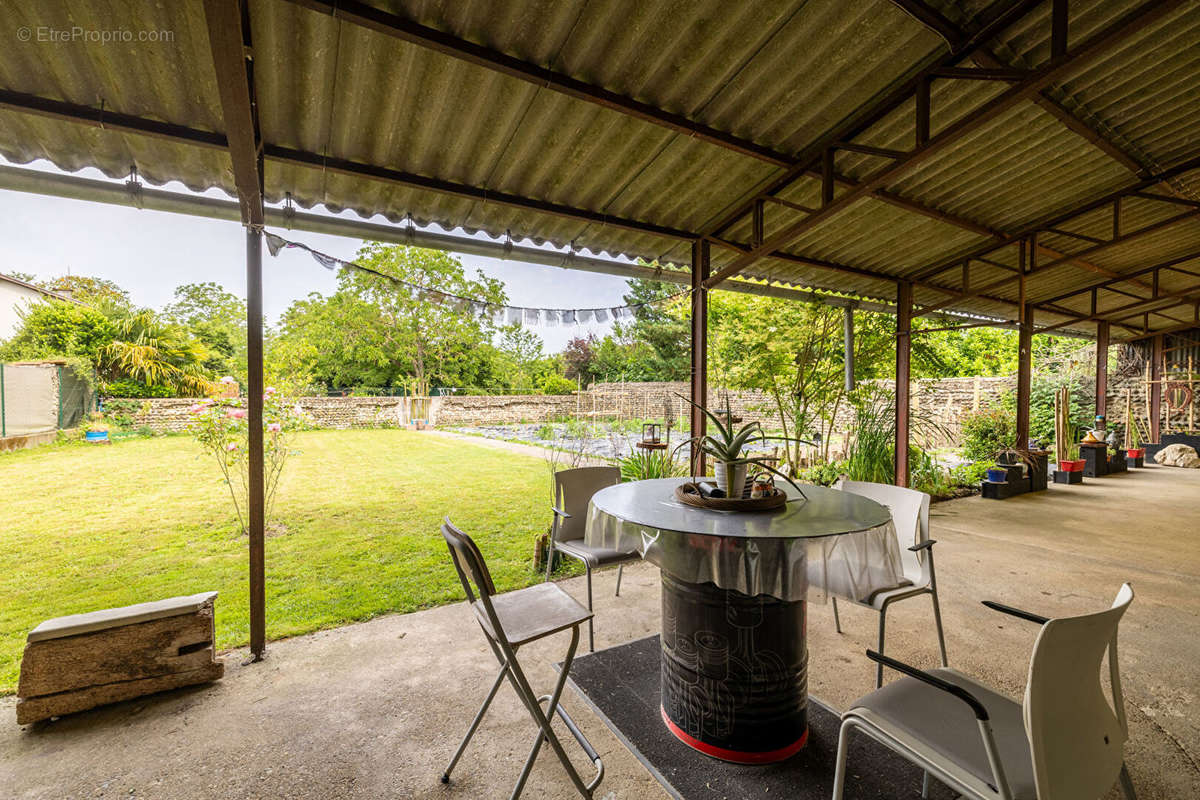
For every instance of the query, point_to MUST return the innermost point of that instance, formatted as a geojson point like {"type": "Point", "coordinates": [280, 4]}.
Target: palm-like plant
{"type": "Point", "coordinates": [727, 447]}
{"type": "Point", "coordinates": [150, 350]}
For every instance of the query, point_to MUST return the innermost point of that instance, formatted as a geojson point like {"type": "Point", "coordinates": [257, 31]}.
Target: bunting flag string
{"type": "Point", "coordinates": [481, 309]}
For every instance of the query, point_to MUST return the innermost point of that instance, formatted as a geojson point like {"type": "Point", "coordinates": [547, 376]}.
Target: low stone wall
{"type": "Point", "coordinates": [944, 400]}
{"type": "Point", "coordinates": [170, 415]}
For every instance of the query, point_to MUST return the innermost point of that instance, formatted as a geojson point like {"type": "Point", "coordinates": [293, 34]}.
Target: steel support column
{"type": "Point", "coordinates": [1024, 375]}
{"type": "Point", "coordinates": [699, 386]}
{"type": "Point", "coordinates": [1155, 398]}
{"type": "Point", "coordinates": [254, 403]}
{"type": "Point", "coordinates": [904, 302]}
{"type": "Point", "coordinates": [1102, 335]}
{"type": "Point", "coordinates": [848, 347]}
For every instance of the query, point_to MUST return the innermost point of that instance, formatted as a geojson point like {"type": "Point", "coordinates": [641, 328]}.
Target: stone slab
{"type": "Point", "coordinates": [76, 624]}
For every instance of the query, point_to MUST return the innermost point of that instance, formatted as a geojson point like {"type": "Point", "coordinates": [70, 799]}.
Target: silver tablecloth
{"type": "Point", "coordinates": [833, 542]}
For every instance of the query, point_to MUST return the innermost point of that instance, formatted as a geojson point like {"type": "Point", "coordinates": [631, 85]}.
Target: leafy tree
{"type": "Point", "coordinates": [157, 352]}
{"type": "Point", "coordinates": [373, 331]}
{"type": "Point", "coordinates": [665, 327]}
{"type": "Point", "coordinates": [578, 356]}
{"type": "Point", "coordinates": [57, 328]}
{"type": "Point", "coordinates": [218, 319]}
{"type": "Point", "coordinates": [87, 289]}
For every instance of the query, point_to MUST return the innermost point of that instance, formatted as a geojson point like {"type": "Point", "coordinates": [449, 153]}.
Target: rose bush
{"type": "Point", "coordinates": [222, 429]}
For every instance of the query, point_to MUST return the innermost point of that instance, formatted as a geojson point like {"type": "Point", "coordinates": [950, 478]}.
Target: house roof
{"type": "Point", "coordinates": [35, 288]}
{"type": "Point", "coordinates": [635, 127]}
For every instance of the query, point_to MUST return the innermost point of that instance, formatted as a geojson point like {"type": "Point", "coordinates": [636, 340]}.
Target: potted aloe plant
{"type": "Point", "coordinates": [727, 447]}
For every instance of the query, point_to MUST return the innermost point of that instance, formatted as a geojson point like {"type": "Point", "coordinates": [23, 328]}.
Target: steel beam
{"type": "Point", "coordinates": [699, 377]}
{"type": "Point", "coordinates": [1102, 338]}
{"type": "Point", "coordinates": [1155, 398]}
{"type": "Point", "coordinates": [903, 375]}
{"type": "Point", "coordinates": [228, 24]}
{"type": "Point", "coordinates": [1055, 69]}
{"type": "Point", "coordinates": [357, 13]}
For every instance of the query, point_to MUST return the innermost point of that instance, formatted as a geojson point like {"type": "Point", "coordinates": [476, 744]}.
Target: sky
{"type": "Point", "coordinates": [149, 253]}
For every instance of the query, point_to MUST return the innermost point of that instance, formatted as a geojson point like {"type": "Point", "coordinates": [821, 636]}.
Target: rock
{"type": "Point", "coordinates": [1178, 455]}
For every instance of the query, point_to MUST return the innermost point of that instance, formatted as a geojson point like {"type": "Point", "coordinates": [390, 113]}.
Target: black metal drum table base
{"type": "Point", "coordinates": [734, 672]}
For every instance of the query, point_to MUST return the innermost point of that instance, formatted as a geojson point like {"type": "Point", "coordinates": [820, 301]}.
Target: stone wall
{"type": "Point", "coordinates": [944, 400]}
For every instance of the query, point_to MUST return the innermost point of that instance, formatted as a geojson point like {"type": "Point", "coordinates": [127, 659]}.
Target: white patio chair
{"type": "Point", "coordinates": [573, 490]}
{"type": "Point", "coordinates": [1064, 742]}
{"type": "Point", "coordinates": [910, 515]}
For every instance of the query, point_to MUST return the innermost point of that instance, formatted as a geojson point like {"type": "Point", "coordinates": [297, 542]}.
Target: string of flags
{"type": "Point", "coordinates": [481, 309]}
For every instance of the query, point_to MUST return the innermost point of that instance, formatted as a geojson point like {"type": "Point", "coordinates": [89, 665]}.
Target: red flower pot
{"type": "Point", "coordinates": [1136, 452]}
{"type": "Point", "coordinates": [1072, 466]}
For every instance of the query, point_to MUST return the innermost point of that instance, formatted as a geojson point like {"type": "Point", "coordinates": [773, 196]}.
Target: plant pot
{"type": "Point", "coordinates": [1136, 452]}
{"type": "Point", "coordinates": [730, 475]}
{"type": "Point", "coordinates": [1072, 466]}
{"type": "Point", "coordinates": [96, 436]}
{"type": "Point", "coordinates": [997, 475]}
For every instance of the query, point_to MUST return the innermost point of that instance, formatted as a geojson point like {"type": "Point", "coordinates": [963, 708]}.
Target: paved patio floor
{"type": "Point", "coordinates": [374, 710]}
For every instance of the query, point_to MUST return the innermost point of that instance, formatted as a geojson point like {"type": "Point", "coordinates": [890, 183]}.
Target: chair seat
{"type": "Point", "coordinates": [530, 614]}
{"type": "Point", "coordinates": [595, 556]}
{"type": "Point", "coordinates": [939, 720]}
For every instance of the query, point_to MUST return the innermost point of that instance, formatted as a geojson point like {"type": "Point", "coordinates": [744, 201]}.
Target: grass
{"type": "Point", "coordinates": [89, 527]}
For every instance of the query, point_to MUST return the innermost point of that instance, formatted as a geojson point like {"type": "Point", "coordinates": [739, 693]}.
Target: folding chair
{"type": "Point", "coordinates": [910, 515]}
{"type": "Point", "coordinates": [573, 490]}
{"type": "Point", "coordinates": [1063, 741]}
{"type": "Point", "coordinates": [510, 621]}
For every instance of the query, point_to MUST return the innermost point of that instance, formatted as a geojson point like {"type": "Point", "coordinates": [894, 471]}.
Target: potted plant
{"type": "Point", "coordinates": [97, 429]}
{"type": "Point", "coordinates": [997, 474]}
{"type": "Point", "coordinates": [727, 448]}
{"type": "Point", "coordinates": [1072, 463]}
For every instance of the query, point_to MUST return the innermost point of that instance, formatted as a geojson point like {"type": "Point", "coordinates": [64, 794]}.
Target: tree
{"type": "Point", "coordinates": [664, 326]}
{"type": "Point", "coordinates": [156, 352]}
{"type": "Point", "coordinates": [218, 319]}
{"type": "Point", "coordinates": [578, 356]}
{"type": "Point", "coordinates": [373, 331]}
{"type": "Point", "coordinates": [57, 328]}
{"type": "Point", "coordinates": [93, 291]}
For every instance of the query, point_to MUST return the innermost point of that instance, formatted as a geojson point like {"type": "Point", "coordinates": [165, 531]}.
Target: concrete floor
{"type": "Point", "coordinates": [374, 710]}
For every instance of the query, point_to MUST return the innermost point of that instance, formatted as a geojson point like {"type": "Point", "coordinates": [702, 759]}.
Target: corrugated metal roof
{"type": "Point", "coordinates": [781, 74]}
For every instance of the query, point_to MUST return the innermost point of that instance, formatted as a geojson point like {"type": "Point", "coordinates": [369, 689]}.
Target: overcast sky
{"type": "Point", "coordinates": [149, 253]}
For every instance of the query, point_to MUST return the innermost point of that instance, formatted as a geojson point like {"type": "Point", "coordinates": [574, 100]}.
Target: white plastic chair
{"type": "Point", "coordinates": [573, 490]}
{"type": "Point", "coordinates": [1064, 742]}
{"type": "Point", "coordinates": [910, 515]}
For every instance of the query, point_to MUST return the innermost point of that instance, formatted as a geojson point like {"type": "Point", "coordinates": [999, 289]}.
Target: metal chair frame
{"type": "Point", "coordinates": [924, 576]}
{"type": "Point", "coordinates": [560, 517]}
{"type": "Point", "coordinates": [463, 549]}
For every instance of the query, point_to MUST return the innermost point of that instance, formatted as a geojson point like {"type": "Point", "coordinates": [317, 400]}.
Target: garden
{"type": "Point", "coordinates": [354, 534]}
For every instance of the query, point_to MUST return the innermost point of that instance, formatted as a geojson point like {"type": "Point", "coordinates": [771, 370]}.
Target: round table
{"type": "Point", "coordinates": [734, 590]}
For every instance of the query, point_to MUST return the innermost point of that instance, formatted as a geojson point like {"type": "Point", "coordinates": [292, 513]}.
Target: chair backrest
{"type": "Point", "coordinates": [910, 515]}
{"type": "Point", "coordinates": [468, 563]}
{"type": "Point", "coordinates": [573, 490]}
{"type": "Point", "coordinates": [1075, 735]}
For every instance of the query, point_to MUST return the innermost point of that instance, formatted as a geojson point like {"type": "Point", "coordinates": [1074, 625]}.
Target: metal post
{"type": "Point", "coordinates": [1155, 399]}
{"type": "Point", "coordinates": [254, 390]}
{"type": "Point", "coordinates": [903, 347]}
{"type": "Point", "coordinates": [848, 347]}
{"type": "Point", "coordinates": [1024, 350]}
{"type": "Point", "coordinates": [58, 374]}
{"type": "Point", "coordinates": [699, 388]}
{"type": "Point", "coordinates": [1102, 331]}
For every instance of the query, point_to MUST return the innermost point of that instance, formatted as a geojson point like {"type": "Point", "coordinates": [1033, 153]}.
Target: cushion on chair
{"type": "Point", "coordinates": [595, 556]}
{"type": "Point", "coordinates": [948, 725]}
{"type": "Point", "coordinates": [529, 614]}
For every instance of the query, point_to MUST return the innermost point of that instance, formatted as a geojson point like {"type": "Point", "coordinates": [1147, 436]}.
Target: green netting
{"type": "Point", "coordinates": [75, 398]}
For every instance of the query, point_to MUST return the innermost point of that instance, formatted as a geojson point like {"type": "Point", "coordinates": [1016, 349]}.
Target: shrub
{"type": "Point", "coordinates": [556, 384]}
{"type": "Point", "coordinates": [822, 474]}
{"type": "Point", "coordinates": [969, 474]}
{"type": "Point", "coordinates": [647, 464]}
{"type": "Point", "coordinates": [545, 432]}
{"type": "Point", "coordinates": [986, 431]}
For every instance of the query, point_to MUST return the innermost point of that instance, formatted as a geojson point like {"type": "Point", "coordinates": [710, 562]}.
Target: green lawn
{"type": "Point", "coordinates": [88, 527]}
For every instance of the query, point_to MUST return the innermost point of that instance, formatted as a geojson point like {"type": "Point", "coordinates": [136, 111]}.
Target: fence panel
{"type": "Point", "coordinates": [30, 399]}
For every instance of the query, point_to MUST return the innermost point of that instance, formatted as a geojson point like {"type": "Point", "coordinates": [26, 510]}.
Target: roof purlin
{"type": "Point", "coordinates": [1127, 26]}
